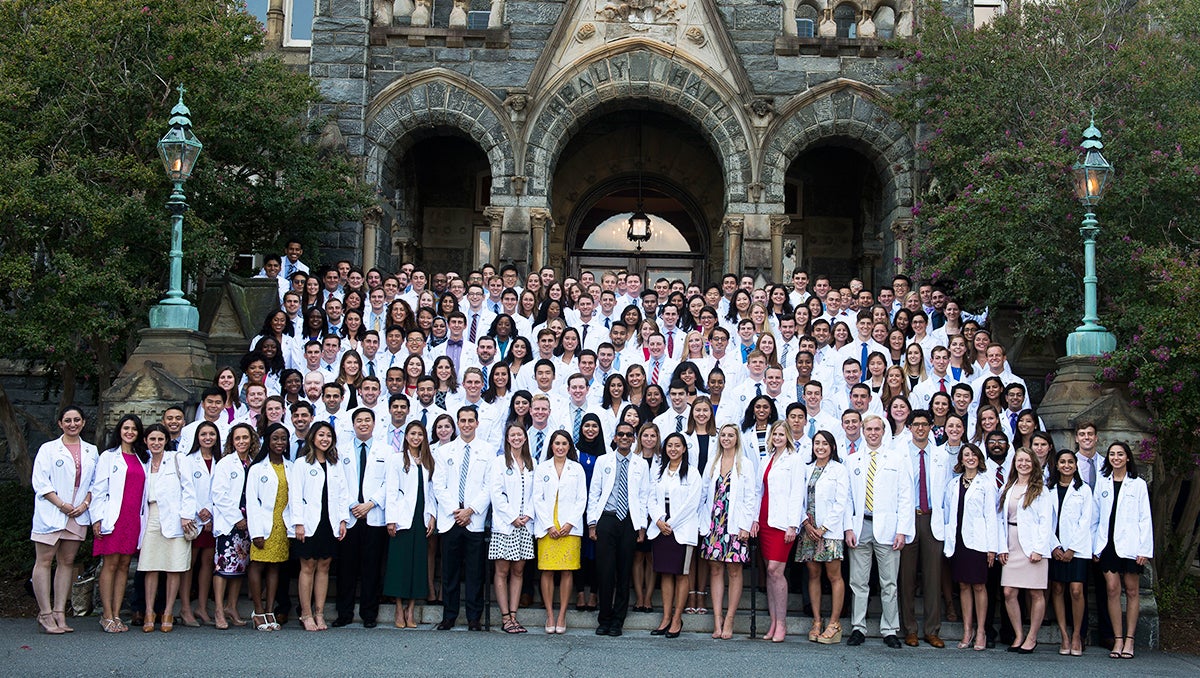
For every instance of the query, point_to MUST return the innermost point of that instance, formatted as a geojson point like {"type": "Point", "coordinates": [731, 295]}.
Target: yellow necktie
{"type": "Point", "coordinates": [871, 483]}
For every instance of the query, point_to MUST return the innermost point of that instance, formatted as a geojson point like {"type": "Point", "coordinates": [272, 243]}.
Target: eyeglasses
{"type": "Point", "coordinates": [623, 434]}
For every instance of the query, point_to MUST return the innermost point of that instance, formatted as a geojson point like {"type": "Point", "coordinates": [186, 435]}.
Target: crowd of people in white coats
{"type": "Point", "coordinates": [591, 436]}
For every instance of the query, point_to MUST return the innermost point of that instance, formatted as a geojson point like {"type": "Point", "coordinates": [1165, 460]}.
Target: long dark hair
{"type": "Point", "coordinates": [423, 448]}
{"type": "Point", "coordinates": [828, 437]}
{"type": "Point", "coordinates": [217, 451]}
{"type": "Point", "coordinates": [606, 398]}
{"type": "Point", "coordinates": [571, 452]}
{"type": "Point", "coordinates": [525, 420]}
{"type": "Point", "coordinates": [139, 445]}
{"type": "Point", "coordinates": [748, 416]}
{"type": "Point", "coordinates": [1056, 476]}
{"type": "Point", "coordinates": [310, 448]}
{"type": "Point", "coordinates": [510, 455]}
{"type": "Point", "coordinates": [1130, 464]}
{"type": "Point", "coordinates": [254, 446]}
{"type": "Point", "coordinates": [683, 461]}
{"type": "Point", "coordinates": [489, 394]}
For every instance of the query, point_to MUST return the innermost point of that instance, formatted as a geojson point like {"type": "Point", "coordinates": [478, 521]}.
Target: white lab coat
{"type": "Point", "coordinates": [305, 487]}
{"type": "Point", "coordinates": [372, 487]}
{"type": "Point", "coordinates": [1035, 525]}
{"type": "Point", "coordinates": [1133, 535]}
{"type": "Point", "coordinates": [1075, 520]}
{"type": "Point", "coordinates": [980, 519]}
{"type": "Point", "coordinates": [54, 471]}
{"type": "Point", "coordinates": [196, 481]}
{"type": "Point", "coordinates": [604, 477]}
{"type": "Point", "coordinates": [893, 506]}
{"type": "Point", "coordinates": [261, 489]}
{"type": "Point", "coordinates": [832, 495]}
{"type": "Point", "coordinates": [684, 496]}
{"type": "Point", "coordinates": [447, 460]}
{"type": "Point", "coordinates": [168, 493]}
{"type": "Point", "coordinates": [743, 501]}
{"type": "Point", "coordinates": [511, 492]}
{"type": "Point", "coordinates": [569, 489]}
{"type": "Point", "coordinates": [400, 492]}
{"type": "Point", "coordinates": [785, 494]}
{"type": "Point", "coordinates": [229, 482]}
{"type": "Point", "coordinates": [937, 470]}
{"type": "Point", "coordinates": [108, 488]}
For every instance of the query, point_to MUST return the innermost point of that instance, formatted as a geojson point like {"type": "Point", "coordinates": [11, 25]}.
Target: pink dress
{"type": "Point", "coordinates": [124, 537]}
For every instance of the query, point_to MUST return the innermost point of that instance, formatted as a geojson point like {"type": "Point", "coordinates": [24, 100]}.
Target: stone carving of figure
{"type": "Point", "coordinates": [496, 17]}
{"type": "Point", "coordinates": [458, 15]}
{"type": "Point", "coordinates": [828, 28]}
{"type": "Point", "coordinates": [904, 22]}
{"type": "Point", "coordinates": [866, 27]}
{"type": "Point", "coordinates": [402, 8]}
{"type": "Point", "coordinates": [789, 17]}
{"type": "Point", "coordinates": [382, 13]}
{"type": "Point", "coordinates": [420, 13]}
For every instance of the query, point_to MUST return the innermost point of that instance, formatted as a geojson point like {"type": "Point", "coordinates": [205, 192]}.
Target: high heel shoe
{"type": "Point", "coordinates": [148, 623]}
{"type": "Point", "coordinates": [47, 624]}
{"type": "Point", "coordinates": [815, 631]}
{"type": "Point", "coordinates": [674, 634]}
{"type": "Point", "coordinates": [832, 634]}
{"type": "Point", "coordinates": [60, 618]}
{"type": "Point", "coordinates": [660, 632]}
{"type": "Point", "coordinates": [168, 623]}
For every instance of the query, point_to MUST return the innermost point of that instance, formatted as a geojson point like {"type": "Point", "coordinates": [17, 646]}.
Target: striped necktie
{"type": "Point", "coordinates": [871, 481]}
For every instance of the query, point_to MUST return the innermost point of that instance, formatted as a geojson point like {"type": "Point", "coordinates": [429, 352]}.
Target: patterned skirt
{"type": "Point", "coordinates": [517, 545]}
{"type": "Point", "coordinates": [233, 553]}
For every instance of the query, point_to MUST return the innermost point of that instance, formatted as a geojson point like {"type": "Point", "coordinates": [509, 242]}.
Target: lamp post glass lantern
{"type": "Point", "coordinates": [179, 149]}
{"type": "Point", "coordinates": [1091, 178]}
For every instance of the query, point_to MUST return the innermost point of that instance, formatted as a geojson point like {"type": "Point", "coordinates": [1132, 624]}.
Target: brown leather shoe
{"type": "Point", "coordinates": [911, 640]}
{"type": "Point", "coordinates": [935, 641]}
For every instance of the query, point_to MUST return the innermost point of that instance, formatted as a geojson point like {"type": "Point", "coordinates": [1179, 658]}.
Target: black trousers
{"type": "Point", "coordinates": [995, 597]}
{"type": "Point", "coordinates": [615, 541]}
{"type": "Point", "coordinates": [360, 566]}
{"type": "Point", "coordinates": [1104, 629]}
{"type": "Point", "coordinates": [288, 571]}
{"type": "Point", "coordinates": [462, 553]}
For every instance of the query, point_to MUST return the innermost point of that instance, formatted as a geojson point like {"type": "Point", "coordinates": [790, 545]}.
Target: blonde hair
{"type": "Point", "coordinates": [715, 461]}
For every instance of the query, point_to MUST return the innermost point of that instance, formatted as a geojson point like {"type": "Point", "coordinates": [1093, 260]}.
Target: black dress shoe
{"type": "Point", "coordinates": [614, 631]}
{"type": "Point", "coordinates": [893, 642]}
{"type": "Point", "coordinates": [602, 630]}
{"type": "Point", "coordinates": [991, 645]}
{"type": "Point", "coordinates": [339, 622]}
{"type": "Point", "coordinates": [1013, 648]}
{"type": "Point", "coordinates": [659, 632]}
{"type": "Point", "coordinates": [474, 625]}
{"type": "Point", "coordinates": [370, 624]}
{"type": "Point", "coordinates": [856, 638]}
{"type": "Point", "coordinates": [445, 625]}
{"type": "Point", "coordinates": [673, 634]}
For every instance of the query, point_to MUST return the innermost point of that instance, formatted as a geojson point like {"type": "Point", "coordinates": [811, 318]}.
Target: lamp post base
{"type": "Point", "coordinates": [1092, 342]}
{"type": "Point", "coordinates": [165, 316]}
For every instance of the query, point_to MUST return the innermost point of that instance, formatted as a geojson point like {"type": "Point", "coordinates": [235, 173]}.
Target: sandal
{"type": "Point", "coordinates": [275, 626]}
{"type": "Point", "coordinates": [832, 635]}
{"type": "Point", "coordinates": [264, 625]}
{"type": "Point", "coordinates": [121, 627]}
{"type": "Point", "coordinates": [1127, 653]}
{"type": "Point", "coordinates": [110, 626]}
{"type": "Point", "coordinates": [47, 624]}
{"type": "Point", "coordinates": [320, 621]}
{"type": "Point", "coordinates": [148, 623]}
{"type": "Point", "coordinates": [168, 623]}
{"type": "Point", "coordinates": [309, 624]}
{"type": "Point", "coordinates": [510, 623]}
{"type": "Point", "coordinates": [60, 618]}
{"type": "Point", "coordinates": [815, 631]}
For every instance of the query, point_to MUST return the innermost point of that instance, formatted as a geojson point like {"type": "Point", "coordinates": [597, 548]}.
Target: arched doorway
{"type": "Point", "coordinates": [607, 163]}
{"type": "Point", "coordinates": [438, 181]}
{"type": "Point", "coordinates": [832, 195]}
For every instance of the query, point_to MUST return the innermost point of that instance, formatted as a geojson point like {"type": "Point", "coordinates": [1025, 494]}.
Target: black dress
{"type": "Point", "coordinates": [1109, 560]}
{"type": "Point", "coordinates": [966, 566]}
{"type": "Point", "coordinates": [322, 543]}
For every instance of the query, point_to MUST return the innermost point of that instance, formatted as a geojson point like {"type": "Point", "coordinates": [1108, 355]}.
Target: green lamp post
{"type": "Point", "coordinates": [1092, 175]}
{"type": "Point", "coordinates": [179, 149]}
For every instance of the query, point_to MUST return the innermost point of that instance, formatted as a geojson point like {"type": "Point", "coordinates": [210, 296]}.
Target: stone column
{"type": "Point", "coordinates": [495, 217]}
{"type": "Point", "coordinates": [371, 217]}
{"type": "Point", "coordinates": [732, 228]}
{"type": "Point", "coordinates": [538, 216]}
{"type": "Point", "coordinates": [275, 23]}
{"type": "Point", "coordinates": [901, 229]}
{"type": "Point", "coordinates": [778, 223]}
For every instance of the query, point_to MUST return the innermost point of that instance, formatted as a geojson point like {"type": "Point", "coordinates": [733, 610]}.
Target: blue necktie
{"type": "Point", "coordinates": [863, 361]}
{"type": "Point", "coordinates": [812, 427]}
{"type": "Point", "coordinates": [578, 421]}
{"type": "Point", "coordinates": [462, 475]}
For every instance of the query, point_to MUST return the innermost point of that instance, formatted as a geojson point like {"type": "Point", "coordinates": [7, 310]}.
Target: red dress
{"type": "Point", "coordinates": [770, 540]}
{"type": "Point", "coordinates": [125, 534]}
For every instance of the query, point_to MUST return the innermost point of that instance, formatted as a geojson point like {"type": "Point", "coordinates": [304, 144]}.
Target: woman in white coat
{"type": "Point", "coordinates": [409, 510]}
{"type": "Point", "coordinates": [726, 518]}
{"type": "Point", "coordinates": [826, 493]}
{"type": "Point", "coordinates": [1025, 536]}
{"type": "Point", "coordinates": [267, 519]}
{"type": "Point", "coordinates": [971, 526]}
{"type": "Point", "coordinates": [62, 482]}
{"type": "Point", "coordinates": [229, 522]}
{"type": "Point", "coordinates": [1075, 523]}
{"type": "Point", "coordinates": [781, 503]}
{"type": "Point", "coordinates": [674, 529]}
{"type": "Point", "coordinates": [1124, 540]}
{"type": "Point", "coordinates": [319, 505]}
{"type": "Point", "coordinates": [510, 483]}
{"type": "Point", "coordinates": [196, 475]}
{"type": "Point", "coordinates": [559, 500]}
{"type": "Point", "coordinates": [164, 548]}
{"type": "Point", "coordinates": [117, 512]}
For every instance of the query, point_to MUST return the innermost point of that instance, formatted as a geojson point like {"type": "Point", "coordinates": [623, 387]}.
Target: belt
{"type": "Point", "coordinates": [1011, 523]}
{"type": "Point", "coordinates": [868, 516]}
{"type": "Point", "coordinates": [923, 513]}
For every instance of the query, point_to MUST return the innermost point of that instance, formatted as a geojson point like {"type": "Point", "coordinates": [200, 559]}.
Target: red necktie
{"type": "Point", "coordinates": [999, 477]}
{"type": "Point", "coordinates": [942, 381]}
{"type": "Point", "coordinates": [924, 493]}
{"type": "Point", "coordinates": [671, 342]}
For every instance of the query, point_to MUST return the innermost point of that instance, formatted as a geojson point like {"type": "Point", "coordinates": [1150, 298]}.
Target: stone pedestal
{"type": "Point", "coordinates": [1076, 396]}
{"type": "Point", "coordinates": [169, 367]}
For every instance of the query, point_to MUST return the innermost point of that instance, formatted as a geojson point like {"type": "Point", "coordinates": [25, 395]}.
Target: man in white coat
{"type": "Point", "coordinates": [930, 463]}
{"type": "Point", "coordinates": [880, 524]}
{"type": "Point", "coordinates": [361, 553]}
{"type": "Point", "coordinates": [617, 517]}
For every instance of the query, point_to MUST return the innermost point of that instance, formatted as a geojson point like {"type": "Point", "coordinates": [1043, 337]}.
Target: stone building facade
{"type": "Point", "coordinates": [755, 132]}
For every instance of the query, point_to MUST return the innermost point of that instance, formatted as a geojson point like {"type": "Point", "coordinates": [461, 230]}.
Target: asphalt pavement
{"type": "Point", "coordinates": [386, 651]}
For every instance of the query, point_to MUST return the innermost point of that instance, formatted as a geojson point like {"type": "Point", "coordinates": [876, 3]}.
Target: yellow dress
{"type": "Point", "coordinates": [275, 548]}
{"type": "Point", "coordinates": [561, 553]}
